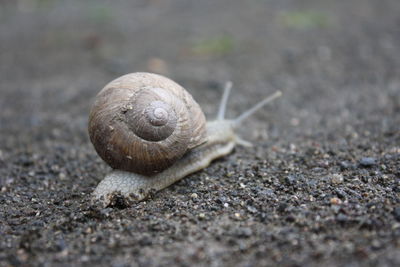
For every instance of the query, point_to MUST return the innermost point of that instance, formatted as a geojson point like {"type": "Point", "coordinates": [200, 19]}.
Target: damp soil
{"type": "Point", "coordinates": [320, 186]}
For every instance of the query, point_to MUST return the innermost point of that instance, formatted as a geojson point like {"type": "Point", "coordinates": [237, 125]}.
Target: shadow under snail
{"type": "Point", "coordinates": [152, 133]}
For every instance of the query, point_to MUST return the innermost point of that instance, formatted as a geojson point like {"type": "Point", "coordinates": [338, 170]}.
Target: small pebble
{"type": "Point", "coordinates": [345, 165]}
{"type": "Point", "coordinates": [194, 195]}
{"type": "Point", "coordinates": [244, 232]}
{"type": "Point", "coordinates": [367, 162]}
{"type": "Point", "coordinates": [252, 209]}
{"type": "Point", "coordinates": [291, 179]}
{"type": "Point", "coordinates": [337, 178]}
{"type": "Point", "coordinates": [341, 218]}
{"type": "Point", "coordinates": [335, 201]}
{"type": "Point", "coordinates": [340, 193]}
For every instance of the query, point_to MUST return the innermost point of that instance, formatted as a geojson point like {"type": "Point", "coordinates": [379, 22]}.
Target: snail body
{"type": "Point", "coordinates": [145, 162]}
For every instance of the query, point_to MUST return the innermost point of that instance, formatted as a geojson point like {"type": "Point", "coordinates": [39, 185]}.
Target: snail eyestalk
{"type": "Point", "coordinates": [224, 100]}
{"type": "Point", "coordinates": [236, 122]}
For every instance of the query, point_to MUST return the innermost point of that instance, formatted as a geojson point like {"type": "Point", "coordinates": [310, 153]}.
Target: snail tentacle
{"type": "Point", "coordinates": [256, 107]}
{"type": "Point", "coordinates": [224, 101]}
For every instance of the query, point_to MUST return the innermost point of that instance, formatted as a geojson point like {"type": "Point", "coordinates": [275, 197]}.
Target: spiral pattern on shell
{"type": "Point", "coordinates": [143, 123]}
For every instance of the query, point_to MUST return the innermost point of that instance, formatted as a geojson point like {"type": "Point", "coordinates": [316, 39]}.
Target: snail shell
{"type": "Point", "coordinates": [143, 123]}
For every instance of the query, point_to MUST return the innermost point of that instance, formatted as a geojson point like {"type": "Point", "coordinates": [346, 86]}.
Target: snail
{"type": "Point", "coordinates": [153, 133]}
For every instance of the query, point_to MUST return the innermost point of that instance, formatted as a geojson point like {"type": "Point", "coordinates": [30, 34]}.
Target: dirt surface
{"type": "Point", "coordinates": [321, 185]}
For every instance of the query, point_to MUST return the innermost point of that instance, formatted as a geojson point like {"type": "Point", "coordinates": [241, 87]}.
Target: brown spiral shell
{"type": "Point", "coordinates": [144, 122]}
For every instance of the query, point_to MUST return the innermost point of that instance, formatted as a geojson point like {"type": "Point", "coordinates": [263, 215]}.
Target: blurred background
{"type": "Point", "coordinates": [320, 187]}
{"type": "Point", "coordinates": [56, 55]}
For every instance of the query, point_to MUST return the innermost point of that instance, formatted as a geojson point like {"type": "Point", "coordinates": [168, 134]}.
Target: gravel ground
{"type": "Point", "coordinates": [321, 186]}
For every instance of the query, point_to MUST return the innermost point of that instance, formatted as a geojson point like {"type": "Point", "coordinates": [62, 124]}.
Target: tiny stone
{"type": "Point", "coordinates": [291, 180]}
{"type": "Point", "coordinates": [376, 244]}
{"type": "Point", "coordinates": [244, 232]}
{"type": "Point", "coordinates": [22, 255]}
{"type": "Point", "coordinates": [341, 218]}
{"type": "Point", "coordinates": [345, 165]}
{"type": "Point", "coordinates": [194, 195]}
{"type": "Point", "coordinates": [335, 201]}
{"type": "Point", "coordinates": [365, 179]}
{"type": "Point", "coordinates": [282, 207]}
{"type": "Point", "coordinates": [367, 162]}
{"type": "Point", "coordinates": [251, 209]}
{"type": "Point", "coordinates": [64, 253]}
{"type": "Point", "coordinates": [340, 193]}
{"type": "Point", "coordinates": [202, 215]}
{"type": "Point", "coordinates": [337, 178]}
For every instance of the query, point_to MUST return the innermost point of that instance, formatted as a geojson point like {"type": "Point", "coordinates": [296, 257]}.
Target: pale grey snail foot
{"type": "Point", "coordinates": [133, 187]}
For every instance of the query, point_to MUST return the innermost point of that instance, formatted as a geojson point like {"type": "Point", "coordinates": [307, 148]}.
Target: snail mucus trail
{"type": "Point", "coordinates": [215, 139]}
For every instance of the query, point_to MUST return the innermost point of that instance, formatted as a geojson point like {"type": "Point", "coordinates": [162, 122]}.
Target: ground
{"type": "Point", "coordinates": [320, 186]}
